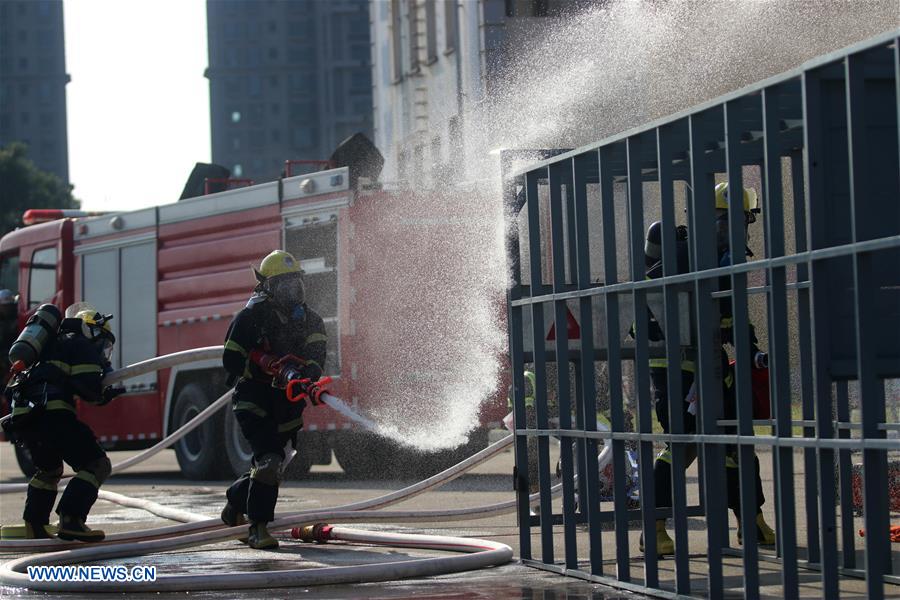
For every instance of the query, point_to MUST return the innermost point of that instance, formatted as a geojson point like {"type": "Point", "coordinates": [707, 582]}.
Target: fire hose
{"type": "Point", "coordinates": [203, 531]}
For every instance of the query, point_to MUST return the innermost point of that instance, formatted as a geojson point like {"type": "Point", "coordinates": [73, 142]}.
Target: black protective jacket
{"type": "Point", "coordinates": [72, 366]}
{"type": "Point", "coordinates": [261, 326]}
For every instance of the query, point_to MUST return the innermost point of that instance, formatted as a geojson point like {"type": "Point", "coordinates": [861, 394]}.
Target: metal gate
{"type": "Point", "coordinates": [819, 145]}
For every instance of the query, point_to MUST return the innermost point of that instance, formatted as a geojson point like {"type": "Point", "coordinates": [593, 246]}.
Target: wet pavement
{"type": "Point", "coordinates": [159, 480]}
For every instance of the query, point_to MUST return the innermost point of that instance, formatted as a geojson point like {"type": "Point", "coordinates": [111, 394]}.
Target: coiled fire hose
{"type": "Point", "coordinates": [203, 531]}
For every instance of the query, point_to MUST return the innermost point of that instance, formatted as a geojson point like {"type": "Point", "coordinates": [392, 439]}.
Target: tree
{"type": "Point", "coordinates": [24, 186]}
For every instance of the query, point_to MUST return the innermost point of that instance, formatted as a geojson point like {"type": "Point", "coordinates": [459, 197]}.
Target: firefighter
{"type": "Point", "coordinates": [73, 364]}
{"type": "Point", "coordinates": [277, 322]}
{"type": "Point", "coordinates": [8, 310]}
{"type": "Point", "coordinates": [659, 372]}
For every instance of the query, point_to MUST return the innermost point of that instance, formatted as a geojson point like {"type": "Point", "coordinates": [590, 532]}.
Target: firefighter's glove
{"type": "Point", "coordinates": [110, 392]}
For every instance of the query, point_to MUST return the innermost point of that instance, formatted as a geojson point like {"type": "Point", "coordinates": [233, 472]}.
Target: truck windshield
{"type": "Point", "coordinates": [9, 273]}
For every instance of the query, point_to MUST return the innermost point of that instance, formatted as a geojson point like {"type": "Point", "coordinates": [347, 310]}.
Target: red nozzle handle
{"type": "Point", "coordinates": [300, 395]}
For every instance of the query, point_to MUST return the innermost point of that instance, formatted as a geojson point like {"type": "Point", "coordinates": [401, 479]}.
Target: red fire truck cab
{"type": "Point", "coordinates": [174, 275]}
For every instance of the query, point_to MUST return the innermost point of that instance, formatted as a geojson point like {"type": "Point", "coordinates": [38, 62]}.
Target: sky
{"type": "Point", "coordinates": [138, 104]}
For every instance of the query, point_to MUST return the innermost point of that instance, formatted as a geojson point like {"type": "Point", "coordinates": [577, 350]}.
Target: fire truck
{"type": "Point", "coordinates": [174, 275]}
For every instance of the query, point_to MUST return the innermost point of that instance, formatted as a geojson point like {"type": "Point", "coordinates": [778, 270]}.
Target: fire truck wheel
{"type": "Point", "coordinates": [199, 452]}
{"type": "Point", "coordinates": [23, 457]}
{"type": "Point", "coordinates": [366, 455]}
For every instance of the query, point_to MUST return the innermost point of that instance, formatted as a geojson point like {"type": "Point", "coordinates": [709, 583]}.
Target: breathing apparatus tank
{"type": "Point", "coordinates": [39, 329]}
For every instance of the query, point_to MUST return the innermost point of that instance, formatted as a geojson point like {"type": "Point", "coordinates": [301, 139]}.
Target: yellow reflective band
{"type": "Point", "coordinates": [729, 463]}
{"type": "Point", "coordinates": [726, 322]}
{"type": "Point", "coordinates": [20, 410]}
{"type": "Point", "coordinates": [88, 477]}
{"type": "Point", "coordinates": [312, 362]}
{"type": "Point", "coordinates": [42, 485]}
{"type": "Point", "coordinates": [665, 456]}
{"type": "Point", "coordinates": [250, 407]}
{"type": "Point", "coordinates": [85, 369]}
{"type": "Point", "coordinates": [290, 425]}
{"type": "Point", "coordinates": [662, 363]}
{"type": "Point", "coordinates": [316, 337]}
{"type": "Point", "coordinates": [60, 405]}
{"type": "Point", "coordinates": [235, 347]}
{"type": "Point", "coordinates": [729, 379]}
{"type": "Point", "coordinates": [64, 367]}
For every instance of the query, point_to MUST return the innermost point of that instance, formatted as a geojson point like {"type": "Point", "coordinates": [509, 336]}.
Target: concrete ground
{"type": "Point", "coordinates": [160, 480]}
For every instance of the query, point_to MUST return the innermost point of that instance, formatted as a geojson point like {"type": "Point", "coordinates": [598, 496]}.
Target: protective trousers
{"type": "Point", "coordinates": [59, 436]}
{"type": "Point", "coordinates": [662, 468]}
{"type": "Point", "coordinates": [256, 491]}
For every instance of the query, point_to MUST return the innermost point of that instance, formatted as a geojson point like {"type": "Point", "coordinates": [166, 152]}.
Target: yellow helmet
{"type": "Point", "coordinates": [751, 200]}
{"type": "Point", "coordinates": [277, 263]}
{"type": "Point", "coordinates": [96, 325]}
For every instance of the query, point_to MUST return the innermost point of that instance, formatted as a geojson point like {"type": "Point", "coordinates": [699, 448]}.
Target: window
{"type": "Point", "coordinates": [257, 139]}
{"type": "Point", "coordinates": [413, 36]}
{"type": "Point", "coordinates": [360, 81]}
{"type": "Point", "coordinates": [254, 83]}
{"type": "Point", "coordinates": [430, 32]}
{"type": "Point", "coordinates": [397, 63]}
{"type": "Point", "coordinates": [42, 277]}
{"type": "Point", "coordinates": [303, 137]}
{"type": "Point", "coordinates": [450, 25]}
{"type": "Point", "coordinates": [9, 273]}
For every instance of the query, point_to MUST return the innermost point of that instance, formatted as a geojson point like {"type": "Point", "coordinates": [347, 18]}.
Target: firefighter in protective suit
{"type": "Point", "coordinates": [662, 468]}
{"type": "Point", "coordinates": [44, 420]}
{"type": "Point", "coordinates": [276, 321]}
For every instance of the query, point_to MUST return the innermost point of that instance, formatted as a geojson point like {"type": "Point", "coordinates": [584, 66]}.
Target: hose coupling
{"type": "Point", "coordinates": [318, 533]}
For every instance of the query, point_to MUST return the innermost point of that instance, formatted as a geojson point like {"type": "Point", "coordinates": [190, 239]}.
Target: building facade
{"type": "Point", "coordinates": [288, 80]}
{"type": "Point", "coordinates": [432, 62]}
{"type": "Point", "coordinates": [33, 82]}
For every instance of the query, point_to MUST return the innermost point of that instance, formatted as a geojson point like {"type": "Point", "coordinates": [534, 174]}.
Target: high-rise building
{"type": "Point", "coordinates": [33, 81]}
{"type": "Point", "coordinates": [433, 60]}
{"type": "Point", "coordinates": [287, 79]}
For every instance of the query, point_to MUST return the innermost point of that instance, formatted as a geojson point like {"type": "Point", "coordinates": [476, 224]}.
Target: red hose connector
{"type": "Point", "coordinates": [318, 533]}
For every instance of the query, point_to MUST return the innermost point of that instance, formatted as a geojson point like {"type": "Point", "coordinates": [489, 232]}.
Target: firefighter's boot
{"type": "Point", "coordinates": [232, 516]}
{"type": "Point", "coordinates": [765, 535]}
{"type": "Point", "coordinates": [73, 528]}
{"type": "Point", "coordinates": [664, 544]}
{"type": "Point", "coordinates": [260, 538]}
{"type": "Point", "coordinates": [33, 531]}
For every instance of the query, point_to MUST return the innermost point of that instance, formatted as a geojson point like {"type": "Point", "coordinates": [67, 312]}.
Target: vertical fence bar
{"type": "Point", "coordinates": [517, 363]}
{"type": "Point", "coordinates": [540, 364]}
{"type": "Point", "coordinates": [804, 334]}
{"type": "Point", "coordinates": [614, 359]}
{"type": "Point", "coordinates": [641, 357]}
{"type": "Point", "coordinates": [866, 290]}
{"type": "Point", "coordinates": [741, 336]}
{"type": "Point", "coordinates": [580, 166]}
{"type": "Point", "coordinates": [709, 366]}
{"type": "Point", "coordinates": [558, 173]}
{"type": "Point", "coordinates": [845, 477]}
{"type": "Point", "coordinates": [779, 361]}
{"type": "Point", "coordinates": [678, 498]}
{"type": "Point", "coordinates": [815, 166]}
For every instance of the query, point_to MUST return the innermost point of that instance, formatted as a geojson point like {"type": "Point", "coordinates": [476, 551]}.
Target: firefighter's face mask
{"type": "Point", "coordinates": [288, 289]}
{"type": "Point", "coordinates": [722, 240]}
{"type": "Point", "coordinates": [107, 346]}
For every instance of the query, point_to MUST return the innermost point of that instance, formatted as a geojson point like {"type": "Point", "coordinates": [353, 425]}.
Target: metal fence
{"type": "Point", "coordinates": [820, 146]}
